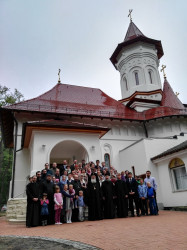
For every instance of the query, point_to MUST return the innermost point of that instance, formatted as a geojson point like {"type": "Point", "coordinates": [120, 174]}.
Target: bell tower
{"type": "Point", "coordinates": [137, 60]}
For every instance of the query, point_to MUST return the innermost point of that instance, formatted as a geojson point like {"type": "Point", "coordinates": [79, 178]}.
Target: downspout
{"type": "Point", "coordinates": [14, 159]}
{"type": "Point", "coordinates": [145, 130]}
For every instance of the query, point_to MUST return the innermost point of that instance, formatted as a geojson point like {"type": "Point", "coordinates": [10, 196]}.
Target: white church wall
{"type": "Point", "coordinates": [121, 135]}
{"type": "Point", "coordinates": [22, 167]}
{"type": "Point", "coordinates": [22, 172]}
{"type": "Point", "coordinates": [171, 198]}
{"type": "Point", "coordinates": [139, 155]}
{"type": "Point", "coordinates": [41, 155]}
{"type": "Point", "coordinates": [134, 155]}
{"type": "Point", "coordinates": [166, 127]}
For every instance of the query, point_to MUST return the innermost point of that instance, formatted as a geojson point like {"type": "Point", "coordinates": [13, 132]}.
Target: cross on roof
{"type": "Point", "coordinates": [162, 70]}
{"type": "Point", "coordinates": [129, 15]}
{"type": "Point", "coordinates": [59, 76]}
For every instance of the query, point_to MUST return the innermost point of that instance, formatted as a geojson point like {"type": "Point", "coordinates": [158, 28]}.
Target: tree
{"type": "Point", "coordinates": [6, 154]}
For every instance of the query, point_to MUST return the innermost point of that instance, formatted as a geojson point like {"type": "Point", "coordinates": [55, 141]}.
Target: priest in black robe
{"type": "Point", "coordinates": [33, 203]}
{"type": "Point", "coordinates": [108, 196]}
{"type": "Point", "coordinates": [93, 199]}
{"type": "Point", "coordinates": [121, 193]}
{"type": "Point", "coordinates": [49, 188]}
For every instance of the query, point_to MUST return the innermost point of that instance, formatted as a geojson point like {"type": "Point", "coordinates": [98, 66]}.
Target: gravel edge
{"type": "Point", "coordinates": [76, 244]}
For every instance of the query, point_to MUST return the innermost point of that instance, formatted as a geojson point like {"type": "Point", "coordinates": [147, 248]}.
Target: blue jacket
{"type": "Point", "coordinates": [142, 191]}
{"type": "Point", "coordinates": [150, 192]}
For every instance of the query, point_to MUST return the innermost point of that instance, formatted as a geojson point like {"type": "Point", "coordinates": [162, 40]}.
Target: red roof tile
{"type": "Point", "coordinates": [132, 32]}
{"type": "Point", "coordinates": [84, 101]}
{"type": "Point", "coordinates": [169, 99]}
{"type": "Point", "coordinates": [70, 99]}
{"type": "Point", "coordinates": [160, 112]}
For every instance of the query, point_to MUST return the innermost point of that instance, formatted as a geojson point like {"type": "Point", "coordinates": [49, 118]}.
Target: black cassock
{"type": "Point", "coordinates": [33, 207]}
{"type": "Point", "coordinates": [48, 188]}
{"type": "Point", "coordinates": [93, 199]}
{"type": "Point", "coordinates": [108, 194]}
{"type": "Point", "coordinates": [122, 203]}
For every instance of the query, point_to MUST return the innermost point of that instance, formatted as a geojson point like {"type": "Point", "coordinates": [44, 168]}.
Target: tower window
{"type": "Point", "coordinates": [126, 86]}
{"type": "Point", "coordinates": [150, 77]}
{"type": "Point", "coordinates": [136, 78]}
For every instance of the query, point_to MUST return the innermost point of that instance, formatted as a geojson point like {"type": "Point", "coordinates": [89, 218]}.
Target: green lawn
{"type": "Point", "coordinates": [2, 214]}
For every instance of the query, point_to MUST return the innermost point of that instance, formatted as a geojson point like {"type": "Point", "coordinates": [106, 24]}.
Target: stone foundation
{"type": "Point", "coordinates": [16, 210]}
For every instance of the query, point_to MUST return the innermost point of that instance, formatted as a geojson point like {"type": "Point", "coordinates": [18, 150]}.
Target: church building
{"type": "Point", "coordinates": [145, 130]}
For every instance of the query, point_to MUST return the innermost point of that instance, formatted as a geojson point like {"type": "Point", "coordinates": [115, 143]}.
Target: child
{"type": "Point", "coordinates": [142, 192]}
{"type": "Point", "coordinates": [62, 183]}
{"type": "Point", "coordinates": [152, 203]}
{"type": "Point", "coordinates": [71, 204]}
{"type": "Point", "coordinates": [44, 209]}
{"type": "Point", "coordinates": [58, 205]}
{"type": "Point", "coordinates": [66, 202]}
{"type": "Point", "coordinates": [80, 204]}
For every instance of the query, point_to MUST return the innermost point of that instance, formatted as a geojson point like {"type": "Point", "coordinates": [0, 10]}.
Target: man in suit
{"type": "Point", "coordinates": [73, 165]}
{"type": "Point", "coordinates": [132, 186]}
{"type": "Point", "coordinates": [63, 167]}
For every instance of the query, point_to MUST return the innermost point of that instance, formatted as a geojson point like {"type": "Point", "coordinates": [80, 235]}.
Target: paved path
{"type": "Point", "coordinates": [166, 231]}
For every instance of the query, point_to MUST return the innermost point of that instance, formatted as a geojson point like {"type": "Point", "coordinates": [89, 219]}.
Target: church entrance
{"type": "Point", "coordinates": [68, 150]}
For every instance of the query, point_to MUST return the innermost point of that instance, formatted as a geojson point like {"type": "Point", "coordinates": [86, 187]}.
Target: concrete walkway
{"type": "Point", "coordinates": [166, 231]}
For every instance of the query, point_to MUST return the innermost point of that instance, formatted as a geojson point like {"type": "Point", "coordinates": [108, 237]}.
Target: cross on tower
{"type": "Point", "coordinates": [59, 76]}
{"type": "Point", "coordinates": [129, 15]}
{"type": "Point", "coordinates": [162, 70]}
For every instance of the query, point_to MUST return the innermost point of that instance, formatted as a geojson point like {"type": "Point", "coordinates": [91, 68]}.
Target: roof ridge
{"type": "Point", "coordinates": [38, 97]}
{"type": "Point", "coordinates": [32, 98]}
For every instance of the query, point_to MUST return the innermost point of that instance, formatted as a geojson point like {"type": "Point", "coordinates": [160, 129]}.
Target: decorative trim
{"type": "Point", "coordinates": [158, 91]}
{"type": "Point", "coordinates": [27, 131]}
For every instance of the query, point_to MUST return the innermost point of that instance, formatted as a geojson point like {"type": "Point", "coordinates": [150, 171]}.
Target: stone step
{"type": "Point", "coordinates": [17, 221]}
{"type": "Point", "coordinates": [20, 217]}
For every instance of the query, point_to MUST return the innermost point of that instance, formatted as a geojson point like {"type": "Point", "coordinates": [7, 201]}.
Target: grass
{"type": "Point", "coordinates": [2, 214]}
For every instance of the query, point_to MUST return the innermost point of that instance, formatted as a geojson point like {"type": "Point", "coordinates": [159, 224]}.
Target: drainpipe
{"type": "Point", "coordinates": [145, 130]}
{"type": "Point", "coordinates": [14, 159]}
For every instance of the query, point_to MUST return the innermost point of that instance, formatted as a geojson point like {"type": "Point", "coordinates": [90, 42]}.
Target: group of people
{"type": "Point", "coordinates": [61, 193]}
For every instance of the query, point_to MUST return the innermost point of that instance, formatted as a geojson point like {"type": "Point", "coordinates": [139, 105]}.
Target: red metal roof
{"type": "Point", "coordinates": [84, 101]}
{"type": "Point", "coordinates": [70, 99]}
{"type": "Point", "coordinates": [169, 98]}
{"type": "Point", "coordinates": [160, 112]}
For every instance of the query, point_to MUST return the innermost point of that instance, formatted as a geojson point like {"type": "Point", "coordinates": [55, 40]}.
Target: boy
{"type": "Point", "coordinates": [80, 204]}
{"type": "Point", "coordinates": [151, 198]}
{"type": "Point", "coordinates": [142, 191]}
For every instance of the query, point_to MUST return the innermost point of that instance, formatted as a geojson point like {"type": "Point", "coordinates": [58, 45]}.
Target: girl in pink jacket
{"type": "Point", "coordinates": [58, 205]}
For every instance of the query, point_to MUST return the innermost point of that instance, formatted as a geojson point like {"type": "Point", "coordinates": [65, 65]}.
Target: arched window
{"type": "Point", "coordinates": [126, 86]}
{"type": "Point", "coordinates": [107, 160]}
{"type": "Point", "coordinates": [137, 78]}
{"type": "Point", "coordinates": [179, 175]}
{"type": "Point", "coordinates": [150, 77]}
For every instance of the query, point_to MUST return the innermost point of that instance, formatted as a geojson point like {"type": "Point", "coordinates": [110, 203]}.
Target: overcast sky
{"type": "Point", "coordinates": [40, 36]}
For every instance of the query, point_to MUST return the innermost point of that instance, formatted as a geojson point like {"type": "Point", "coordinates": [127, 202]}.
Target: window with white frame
{"type": "Point", "coordinates": [179, 174]}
